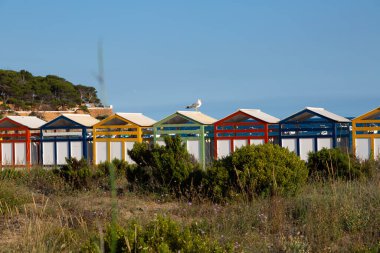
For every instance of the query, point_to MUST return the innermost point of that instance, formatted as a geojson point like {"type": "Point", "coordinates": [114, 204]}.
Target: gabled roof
{"type": "Point", "coordinates": [371, 115]}
{"type": "Point", "coordinates": [137, 118]}
{"type": "Point", "coordinates": [198, 117]}
{"type": "Point", "coordinates": [82, 119]}
{"type": "Point", "coordinates": [253, 113]}
{"type": "Point", "coordinates": [30, 122]}
{"type": "Point", "coordinates": [310, 112]}
{"type": "Point", "coordinates": [68, 120]}
{"type": "Point", "coordinates": [194, 116]}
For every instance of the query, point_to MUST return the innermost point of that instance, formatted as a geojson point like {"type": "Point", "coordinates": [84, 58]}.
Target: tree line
{"type": "Point", "coordinates": [24, 91]}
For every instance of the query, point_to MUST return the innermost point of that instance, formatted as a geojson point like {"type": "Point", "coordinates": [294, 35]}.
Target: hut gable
{"type": "Point", "coordinates": [72, 121]}
{"type": "Point", "coordinates": [187, 117]}
{"type": "Point", "coordinates": [30, 122]}
{"type": "Point", "coordinates": [314, 113]}
{"type": "Point", "coordinates": [138, 119]}
{"type": "Point", "coordinates": [371, 115]}
{"type": "Point", "coordinates": [250, 115]}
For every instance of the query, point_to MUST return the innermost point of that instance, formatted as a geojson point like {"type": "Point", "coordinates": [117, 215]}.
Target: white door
{"type": "Point", "coordinates": [62, 152]}
{"type": "Point", "coordinates": [240, 143]}
{"type": "Point", "coordinates": [7, 153]}
{"type": "Point", "coordinates": [324, 143]}
{"type": "Point", "coordinates": [193, 148]}
{"type": "Point", "coordinates": [76, 150]}
{"type": "Point", "coordinates": [306, 146]}
{"type": "Point", "coordinates": [20, 153]}
{"type": "Point", "coordinates": [290, 144]}
{"type": "Point", "coordinates": [116, 151]}
{"type": "Point", "coordinates": [256, 141]}
{"type": "Point", "coordinates": [363, 148]}
{"type": "Point", "coordinates": [223, 148]}
{"type": "Point", "coordinates": [128, 146]}
{"type": "Point", "coordinates": [101, 152]}
{"type": "Point", "coordinates": [48, 153]}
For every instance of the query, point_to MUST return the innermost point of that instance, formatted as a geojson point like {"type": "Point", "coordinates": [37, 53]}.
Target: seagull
{"type": "Point", "coordinates": [196, 105]}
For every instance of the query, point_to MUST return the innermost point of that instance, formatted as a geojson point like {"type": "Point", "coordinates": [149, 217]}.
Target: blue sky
{"type": "Point", "coordinates": [278, 56]}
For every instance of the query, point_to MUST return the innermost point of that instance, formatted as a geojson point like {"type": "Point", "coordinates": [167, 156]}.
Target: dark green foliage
{"type": "Point", "coordinates": [257, 170]}
{"type": "Point", "coordinates": [76, 173]}
{"type": "Point", "coordinates": [26, 91]}
{"type": "Point", "coordinates": [161, 167]}
{"type": "Point", "coordinates": [160, 235]}
{"type": "Point", "coordinates": [335, 164]}
{"type": "Point", "coordinates": [12, 196]}
{"type": "Point", "coordinates": [119, 165]}
{"type": "Point", "coordinates": [10, 174]}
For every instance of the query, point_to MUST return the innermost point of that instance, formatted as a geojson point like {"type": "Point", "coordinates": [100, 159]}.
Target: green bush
{"type": "Point", "coordinates": [120, 167]}
{"type": "Point", "coordinates": [335, 164]}
{"type": "Point", "coordinates": [76, 173]}
{"type": "Point", "coordinates": [10, 174]}
{"type": "Point", "coordinates": [163, 168]}
{"type": "Point", "coordinates": [13, 196]}
{"type": "Point", "coordinates": [258, 170]}
{"type": "Point", "coordinates": [160, 235]}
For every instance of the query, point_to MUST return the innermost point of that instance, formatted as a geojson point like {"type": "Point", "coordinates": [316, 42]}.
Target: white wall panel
{"type": "Point", "coordinates": [256, 141]}
{"type": "Point", "coordinates": [161, 143]}
{"type": "Point", "coordinates": [101, 152]}
{"type": "Point", "coordinates": [193, 148]}
{"type": "Point", "coordinates": [48, 153]}
{"type": "Point", "coordinates": [7, 153]}
{"type": "Point", "coordinates": [76, 149]}
{"type": "Point", "coordinates": [223, 148]}
{"type": "Point", "coordinates": [240, 143]}
{"type": "Point", "coordinates": [128, 146]}
{"type": "Point", "coordinates": [34, 147]}
{"type": "Point", "coordinates": [20, 153]}
{"type": "Point", "coordinates": [377, 148]}
{"type": "Point", "coordinates": [324, 143]}
{"type": "Point", "coordinates": [363, 148]}
{"type": "Point", "coordinates": [291, 144]}
{"type": "Point", "coordinates": [62, 152]}
{"type": "Point", "coordinates": [116, 151]}
{"type": "Point", "coordinates": [306, 146]}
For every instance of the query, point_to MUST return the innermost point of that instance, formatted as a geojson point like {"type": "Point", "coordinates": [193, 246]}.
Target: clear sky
{"type": "Point", "coordinates": [278, 56]}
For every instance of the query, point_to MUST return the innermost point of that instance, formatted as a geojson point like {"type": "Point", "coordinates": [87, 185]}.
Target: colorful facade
{"type": "Point", "coordinates": [67, 136]}
{"type": "Point", "coordinates": [196, 130]}
{"type": "Point", "coordinates": [366, 135]}
{"type": "Point", "coordinates": [312, 129]}
{"type": "Point", "coordinates": [244, 127]}
{"type": "Point", "coordinates": [19, 141]}
{"type": "Point", "coordinates": [115, 135]}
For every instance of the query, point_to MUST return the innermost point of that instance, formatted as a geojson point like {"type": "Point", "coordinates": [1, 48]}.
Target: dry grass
{"type": "Point", "coordinates": [330, 217]}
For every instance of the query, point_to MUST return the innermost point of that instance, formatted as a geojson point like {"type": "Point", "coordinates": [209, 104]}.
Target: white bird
{"type": "Point", "coordinates": [196, 105]}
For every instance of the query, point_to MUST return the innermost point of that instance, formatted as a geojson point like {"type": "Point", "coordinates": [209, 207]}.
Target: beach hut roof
{"type": "Point", "coordinates": [82, 119]}
{"type": "Point", "coordinates": [258, 114]}
{"type": "Point", "coordinates": [198, 117]}
{"type": "Point", "coordinates": [310, 112]}
{"type": "Point", "coordinates": [137, 118]}
{"type": "Point", "coordinates": [31, 122]}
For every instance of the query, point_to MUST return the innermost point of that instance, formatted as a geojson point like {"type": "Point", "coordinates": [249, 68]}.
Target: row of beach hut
{"type": "Point", "coordinates": [28, 140]}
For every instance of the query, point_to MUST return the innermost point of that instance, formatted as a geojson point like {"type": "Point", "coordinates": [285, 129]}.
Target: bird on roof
{"type": "Point", "coordinates": [196, 105]}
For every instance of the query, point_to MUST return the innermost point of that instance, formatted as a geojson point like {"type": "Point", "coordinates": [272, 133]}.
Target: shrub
{"type": "Point", "coordinates": [76, 173]}
{"type": "Point", "coordinates": [10, 174]}
{"type": "Point", "coordinates": [161, 167]}
{"type": "Point", "coordinates": [259, 170]}
{"type": "Point", "coordinates": [12, 196]}
{"type": "Point", "coordinates": [120, 167]}
{"type": "Point", "coordinates": [160, 235]}
{"type": "Point", "coordinates": [336, 164]}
